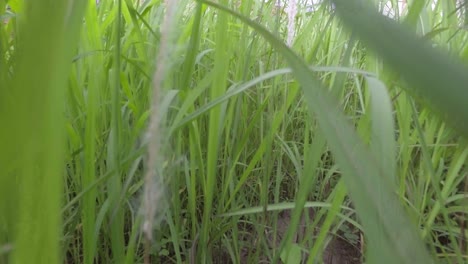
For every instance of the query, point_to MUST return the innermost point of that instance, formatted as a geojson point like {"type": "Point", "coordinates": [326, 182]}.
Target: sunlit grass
{"type": "Point", "coordinates": [362, 123]}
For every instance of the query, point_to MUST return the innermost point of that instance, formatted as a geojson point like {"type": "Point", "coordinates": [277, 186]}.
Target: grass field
{"type": "Point", "coordinates": [233, 131]}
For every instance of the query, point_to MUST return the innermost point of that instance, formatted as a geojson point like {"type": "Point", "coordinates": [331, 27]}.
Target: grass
{"type": "Point", "coordinates": [131, 136]}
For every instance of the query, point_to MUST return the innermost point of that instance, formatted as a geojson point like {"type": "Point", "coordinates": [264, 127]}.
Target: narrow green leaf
{"type": "Point", "coordinates": [433, 76]}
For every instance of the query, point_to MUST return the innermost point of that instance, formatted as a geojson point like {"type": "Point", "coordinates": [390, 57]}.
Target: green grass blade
{"type": "Point", "coordinates": [325, 227]}
{"type": "Point", "coordinates": [32, 139]}
{"type": "Point", "coordinates": [215, 126]}
{"type": "Point", "coordinates": [181, 121]}
{"type": "Point", "coordinates": [116, 216]}
{"type": "Point", "coordinates": [415, 10]}
{"type": "Point", "coordinates": [432, 75]}
{"type": "Point", "coordinates": [383, 146]}
{"type": "Point", "coordinates": [280, 207]}
{"type": "Point", "coordinates": [95, 82]}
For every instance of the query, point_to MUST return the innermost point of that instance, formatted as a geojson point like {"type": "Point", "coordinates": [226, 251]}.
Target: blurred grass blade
{"type": "Point", "coordinates": [32, 135]}
{"type": "Point", "coordinates": [414, 11]}
{"type": "Point", "coordinates": [216, 116]}
{"type": "Point", "coordinates": [116, 216]}
{"type": "Point", "coordinates": [432, 75]}
{"type": "Point", "coordinates": [383, 135]}
{"type": "Point", "coordinates": [384, 148]}
{"type": "Point", "coordinates": [280, 207]}
{"type": "Point", "coordinates": [361, 170]}
{"type": "Point", "coordinates": [95, 82]}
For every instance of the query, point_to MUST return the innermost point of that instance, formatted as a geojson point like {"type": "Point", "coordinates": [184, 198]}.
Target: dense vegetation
{"type": "Point", "coordinates": [233, 131]}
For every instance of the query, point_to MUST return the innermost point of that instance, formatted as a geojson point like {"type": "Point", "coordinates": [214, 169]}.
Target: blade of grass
{"type": "Point", "coordinates": [218, 87]}
{"type": "Point", "coordinates": [180, 121]}
{"type": "Point", "coordinates": [95, 82]}
{"type": "Point", "coordinates": [114, 185]}
{"type": "Point", "coordinates": [383, 145]}
{"type": "Point", "coordinates": [433, 77]}
{"type": "Point", "coordinates": [325, 228]}
{"type": "Point", "coordinates": [33, 135]}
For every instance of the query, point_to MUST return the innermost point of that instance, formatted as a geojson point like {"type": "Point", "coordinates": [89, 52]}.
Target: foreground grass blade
{"type": "Point", "coordinates": [432, 76]}
{"type": "Point", "coordinates": [215, 121]}
{"type": "Point", "coordinates": [383, 145]}
{"type": "Point", "coordinates": [116, 218]}
{"type": "Point", "coordinates": [32, 135]}
{"type": "Point", "coordinates": [95, 82]}
{"type": "Point", "coordinates": [361, 170]}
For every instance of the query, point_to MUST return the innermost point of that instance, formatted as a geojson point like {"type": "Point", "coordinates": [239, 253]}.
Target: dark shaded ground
{"type": "Point", "coordinates": [338, 251]}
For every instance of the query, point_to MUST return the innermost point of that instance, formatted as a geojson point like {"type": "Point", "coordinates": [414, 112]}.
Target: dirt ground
{"type": "Point", "coordinates": [338, 250]}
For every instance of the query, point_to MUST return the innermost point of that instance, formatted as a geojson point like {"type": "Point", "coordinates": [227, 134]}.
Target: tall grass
{"type": "Point", "coordinates": [262, 151]}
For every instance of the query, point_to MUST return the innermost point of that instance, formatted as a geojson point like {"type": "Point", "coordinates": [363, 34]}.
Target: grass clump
{"type": "Point", "coordinates": [206, 132]}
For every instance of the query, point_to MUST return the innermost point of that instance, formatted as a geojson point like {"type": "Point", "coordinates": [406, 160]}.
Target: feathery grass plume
{"type": "Point", "coordinates": [153, 183]}
{"type": "Point", "coordinates": [292, 12]}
